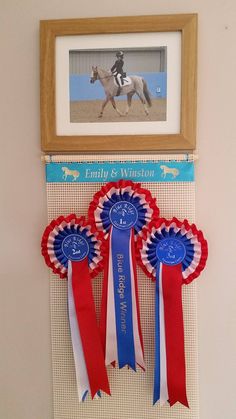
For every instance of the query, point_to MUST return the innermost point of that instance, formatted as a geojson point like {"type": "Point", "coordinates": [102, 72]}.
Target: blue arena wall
{"type": "Point", "coordinates": [82, 89]}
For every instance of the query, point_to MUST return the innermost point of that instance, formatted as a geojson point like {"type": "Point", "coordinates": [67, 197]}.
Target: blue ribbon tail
{"type": "Point", "coordinates": [120, 245]}
{"type": "Point", "coordinates": [157, 370]}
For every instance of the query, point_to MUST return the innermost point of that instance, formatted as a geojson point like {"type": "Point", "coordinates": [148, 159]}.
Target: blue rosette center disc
{"type": "Point", "coordinates": [75, 247]}
{"type": "Point", "coordinates": [123, 215]}
{"type": "Point", "coordinates": [170, 251]}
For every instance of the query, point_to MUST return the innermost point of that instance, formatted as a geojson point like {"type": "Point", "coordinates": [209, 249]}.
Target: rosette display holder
{"type": "Point", "coordinates": [73, 251]}
{"type": "Point", "coordinates": [121, 210]}
{"type": "Point", "coordinates": [173, 198]}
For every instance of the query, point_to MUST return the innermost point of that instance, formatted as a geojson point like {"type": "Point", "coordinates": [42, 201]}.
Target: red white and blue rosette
{"type": "Point", "coordinates": [122, 210]}
{"type": "Point", "coordinates": [72, 249]}
{"type": "Point", "coordinates": [172, 253]}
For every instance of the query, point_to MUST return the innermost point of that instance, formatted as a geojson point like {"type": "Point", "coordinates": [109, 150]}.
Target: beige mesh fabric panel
{"type": "Point", "coordinates": [131, 392]}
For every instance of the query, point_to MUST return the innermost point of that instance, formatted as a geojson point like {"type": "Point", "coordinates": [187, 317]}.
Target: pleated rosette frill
{"type": "Point", "coordinates": [122, 210]}
{"type": "Point", "coordinates": [73, 250]}
{"type": "Point", "coordinates": [172, 253]}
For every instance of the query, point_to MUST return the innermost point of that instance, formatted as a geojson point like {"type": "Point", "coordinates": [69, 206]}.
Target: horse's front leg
{"type": "Point", "coordinates": [103, 106]}
{"type": "Point", "coordinates": [115, 107]}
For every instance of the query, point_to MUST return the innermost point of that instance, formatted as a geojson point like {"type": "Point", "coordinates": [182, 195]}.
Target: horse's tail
{"type": "Point", "coordinates": [146, 93]}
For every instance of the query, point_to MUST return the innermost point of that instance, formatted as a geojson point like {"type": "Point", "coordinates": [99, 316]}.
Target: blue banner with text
{"type": "Point", "coordinates": [161, 171]}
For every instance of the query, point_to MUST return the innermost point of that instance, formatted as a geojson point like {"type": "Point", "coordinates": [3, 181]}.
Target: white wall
{"type": "Point", "coordinates": [25, 337]}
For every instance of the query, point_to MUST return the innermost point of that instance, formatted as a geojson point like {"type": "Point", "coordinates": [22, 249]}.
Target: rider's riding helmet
{"type": "Point", "coordinates": [120, 54]}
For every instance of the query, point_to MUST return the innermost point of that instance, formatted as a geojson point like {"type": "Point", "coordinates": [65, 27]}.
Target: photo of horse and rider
{"type": "Point", "coordinates": [127, 85]}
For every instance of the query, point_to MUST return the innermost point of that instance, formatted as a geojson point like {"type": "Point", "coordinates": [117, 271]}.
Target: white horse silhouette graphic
{"type": "Point", "coordinates": [67, 172]}
{"type": "Point", "coordinates": [169, 170]}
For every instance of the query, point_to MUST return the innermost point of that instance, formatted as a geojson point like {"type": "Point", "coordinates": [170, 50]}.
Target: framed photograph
{"type": "Point", "coordinates": [119, 84]}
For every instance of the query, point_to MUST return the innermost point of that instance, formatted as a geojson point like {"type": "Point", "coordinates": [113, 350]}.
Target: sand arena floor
{"type": "Point", "coordinates": [88, 111]}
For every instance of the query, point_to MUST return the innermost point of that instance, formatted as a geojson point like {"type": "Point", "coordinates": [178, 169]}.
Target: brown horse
{"type": "Point", "coordinates": [138, 85]}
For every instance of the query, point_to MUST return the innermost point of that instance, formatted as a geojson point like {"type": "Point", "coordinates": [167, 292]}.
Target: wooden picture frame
{"type": "Point", "coordinates": [135, 140]}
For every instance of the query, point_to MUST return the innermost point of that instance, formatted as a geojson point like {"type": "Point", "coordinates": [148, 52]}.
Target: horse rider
{"type": "Point", "coordinates": [117, 70]}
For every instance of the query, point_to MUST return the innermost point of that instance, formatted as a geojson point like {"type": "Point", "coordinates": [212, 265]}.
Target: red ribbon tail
{"type": "Point", "coordinates": [174, 330]}
{"type": "Point", "coordinates": [86, 317]}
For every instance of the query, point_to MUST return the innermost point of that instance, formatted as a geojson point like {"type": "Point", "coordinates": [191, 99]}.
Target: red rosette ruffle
{"type": "Point", "coordinates": [70, 224]}
{"type": "Point", "coordinates": [196, 247]}
{"type": "Point", "coordinates": [122, 190]}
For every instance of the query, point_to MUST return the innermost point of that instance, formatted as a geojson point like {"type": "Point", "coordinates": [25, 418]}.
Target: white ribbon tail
{"type": "Point", "coordinates": [137, 343]}
{"type": "Point", "coordinates": [111, 338]}
{"type": "Point", "coordinates": [80, 366]}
